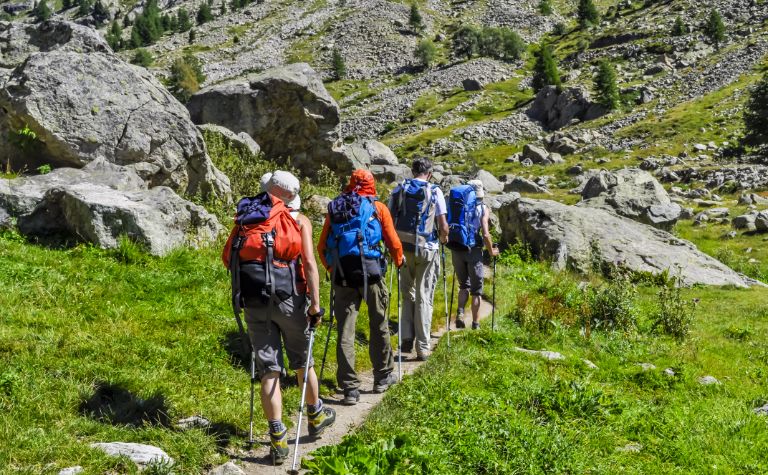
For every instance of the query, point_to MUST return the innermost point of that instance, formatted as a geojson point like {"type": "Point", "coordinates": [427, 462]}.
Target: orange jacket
{"type": "Point", "coordinates": [362, 183]}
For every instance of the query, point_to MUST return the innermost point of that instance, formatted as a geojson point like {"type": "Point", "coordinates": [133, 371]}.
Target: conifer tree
{"type": "Point", "coordinates": [186, 77]}
{"type": "Point", "coordinates": [192, 36]}
{"type": "Point", "coordinates": [84, 7]}
{"type": "Point", "coordinates": [587, 13]}
{"type": "Point", "coordinates": [42, 12]}
{"type": "Point", "coordinates": [545, 7]}
{"type": "Point", "coordinates": [605, 85]}
{"type": "Point", "coordinates": [100, 12]}
{"type": "Point", "coordinates": [338, 64]}
{"type": "Point", "coordinates": [115, 36]}
{"type": "Point", "coordinates": [143, 58]}
{"type": "Point", "coordinates": [147, 27]}
{"type": "Point", "coordinates": [715, 28]}
{"type": "Point", "coordinates": [204, 14]}
{"type": "Point", "coordinates": [679, 28]}
{"type": "Point", "coordinates": [184, 24]}
{"type": "Point", "coordinates": [415, 19]}
{"type": "Point", "coordinates": [223, 8]}
{"type": "Point", "coordinates": [545, 69]}
{"type": "Point", "coordinates": [756, 114]}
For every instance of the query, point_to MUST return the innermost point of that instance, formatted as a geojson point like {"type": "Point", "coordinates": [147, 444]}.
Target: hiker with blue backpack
{"type": "Point", "coordinates": [419, 210]}
{"type": "Point", "coordinates": [469, 230]}
{"type": "Point", "coordinates": [350, 249]}
{"type": "Point", "coordinates": [275, 281]}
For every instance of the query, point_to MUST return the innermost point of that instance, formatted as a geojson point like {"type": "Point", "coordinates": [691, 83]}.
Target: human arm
{"type": "Point", "coordinates": [442, 216]}
{"type": "Point", "coordinates": [442, 228]}
{"type": "Point", "coordinates": [321, 245]}
{"type": "Point", "coordinates": [388, 233]}
{"type": "Point", "coordinates": [485, 222]}
{"type": "Point", "coordinates": [310, 264]}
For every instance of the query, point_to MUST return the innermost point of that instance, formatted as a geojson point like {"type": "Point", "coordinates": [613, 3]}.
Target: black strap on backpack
{"type": "Point", "coordinates": [237, 299]}
{"type": "Point", "coordinates": [360, 245]}
{"type": "Point", "coordinates": [269, 242]}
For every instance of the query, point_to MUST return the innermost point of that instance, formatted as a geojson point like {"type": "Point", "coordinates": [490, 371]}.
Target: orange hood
{"type": "Point", "coordinates": [362, 183]}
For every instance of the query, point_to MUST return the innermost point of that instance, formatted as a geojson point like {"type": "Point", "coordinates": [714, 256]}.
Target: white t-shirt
{"type": "Point", "coordinates": [440, 210]}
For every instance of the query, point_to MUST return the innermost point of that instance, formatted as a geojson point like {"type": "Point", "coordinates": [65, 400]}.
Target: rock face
{"type": "Point", "coordinates": [632, 193]}
{"type": "Point", "coordinates": [19, 40]}
{"type": "Point", "coordinates": [86, 106]}
{"type": "Point", "coordinates": [567, 234]}
{"type": "Point", "coordinates": [140, 454]}
{"type": "Point", "coordinates": [241, 141]}
{"type": "Point", "coordinates": [558, 109]}
{"type": "Point", "coordinates": [286, 110]}
{"type": "Point", "coordinates": [156, 218]}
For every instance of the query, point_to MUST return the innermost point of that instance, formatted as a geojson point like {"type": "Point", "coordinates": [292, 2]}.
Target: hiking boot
{"type": "Point", "coordinates": [384, 384]}
{"type": "Point", "coordinates": [320, 420]}
{"type": "Point", "coordinates": [475, 325]}
{"type": "Point", "coordinates": [460, 322]}
{"type": "Point", "coordinates": [351, 397]}
{"type": "Point", "coordinates": [278, 447]}
{"type": "Point", "coordinates": [423, 356]}
{"type": "Point", "coordinates": [406, 346]}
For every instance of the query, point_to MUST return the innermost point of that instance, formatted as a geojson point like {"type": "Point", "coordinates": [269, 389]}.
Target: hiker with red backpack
{"type": "Point", "coordinates": [469, 228]}
{"type": "Point", "coordinates": [275, 281]}
{"type": "Point", "coordinates": [419, 210]}
{"type": "Point", "coordinates": [350, 249]}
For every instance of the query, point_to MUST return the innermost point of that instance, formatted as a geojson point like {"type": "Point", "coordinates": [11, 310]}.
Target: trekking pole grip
{"type": "Point", "coordinates": [315, 319]}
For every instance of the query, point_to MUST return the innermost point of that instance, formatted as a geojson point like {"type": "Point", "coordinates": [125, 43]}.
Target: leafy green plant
{"type": "Point", "coordinates": [573, 400]}
{"type": "Point", "coordinates": [186, 77]}
{"type": "Point", "coordinates": [396, 455]}
{"type": "Point", "coordinates": [338, 65]}
{"type": "Point", "coordinates": [425, 52]}
{"type": "Point", "coordinates": [545, 7]}
{"type": "Point", "coordinates": [44, 169]}
{"type": "Point", "coordinates": [24, 139]}
{"type": "Point", "coordinates": [738, 333]}
{"type": "Point", "coordinates": [674, 314]}
{"type": "Point", "coordinates": [612, 304]}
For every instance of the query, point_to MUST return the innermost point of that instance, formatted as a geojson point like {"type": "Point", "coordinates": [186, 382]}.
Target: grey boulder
{"type": "Point", "coordinates": [556, 109]}
{"type": "Point", "coordinates": [363, 153]}
{"type": "Point", "coordinates": [241, 142]}
{"type": "Point", "coordinates": [71, 470]}
{"type": "Point", "coordinates": [140, 454]}
{"type": "Point", "coordinates": [87, 106]}
{"type": "Point", "coordinates": [156, 218]}
{"type": "Point", "coordinates": [567, 235]}
{"type": "Point", "coordinates": [286, 110]}
{"type": "Point", "coordinates": [535, 154]}
{"type": "Point", "coordinates": [745, 222]}
{"type": "Point", "coordinates": [523, 185]}
{"type": "Point", "coordinates": [491, 184]}
{"type": "Point", "coordinates": [632, 193]}
{"type": "Point", "coordinates": [228, 468]}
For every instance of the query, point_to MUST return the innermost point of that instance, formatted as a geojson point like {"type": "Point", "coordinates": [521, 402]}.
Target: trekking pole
{"type": "Point", "coordinates": [453, 287]}
{"type": "Point", "coordinates": [493, 301]}
{"type": "Point", "coordinates": [328, 337]}
{"type": "Point", "coordinates": [311, 330]}
{"type": "Point", "coordinates": [445, 299]}
{"type": "Point", "coordinates": [253, 392]}
{"type": "Point", "coordinates": [399, 331]}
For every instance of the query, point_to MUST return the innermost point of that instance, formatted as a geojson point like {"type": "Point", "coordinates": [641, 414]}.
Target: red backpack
{"type": "Point", "coordinates": [262, 252]}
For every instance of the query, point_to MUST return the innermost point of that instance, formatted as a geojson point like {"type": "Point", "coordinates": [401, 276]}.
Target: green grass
{"type": "Point", "coordinates": [482, 407]}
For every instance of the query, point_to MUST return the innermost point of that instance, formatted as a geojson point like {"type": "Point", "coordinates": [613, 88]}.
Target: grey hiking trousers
{"type": "Point", "coordinates": [418, 279]}
{"type": "Point", "coordinates": [346, 307]}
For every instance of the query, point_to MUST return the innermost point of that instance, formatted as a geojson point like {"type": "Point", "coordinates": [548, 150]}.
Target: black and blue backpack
{"type": "Point", "coordinates": [463, 219]}
{"type": "Point", "coordinates": [413, 208]}
{"type": "Point", "coordinates": [353, 247]}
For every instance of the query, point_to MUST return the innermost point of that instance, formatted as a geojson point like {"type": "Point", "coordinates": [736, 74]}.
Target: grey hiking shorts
{"type": "Point", "coordinates": [469, 269]}
{"type": "Point", "coordinates": [284, 332]}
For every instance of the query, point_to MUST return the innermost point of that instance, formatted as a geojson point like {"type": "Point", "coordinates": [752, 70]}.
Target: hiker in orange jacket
{"type": "Point", "coordinates": [350, 290]}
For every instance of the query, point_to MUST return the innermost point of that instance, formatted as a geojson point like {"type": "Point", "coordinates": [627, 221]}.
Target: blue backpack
{"type": "Point", "coordinates": [413, 208]}
{"type": "Point", "coordinates": [353, 244]}
{"type": "Point", "coordinates": [463, 219]}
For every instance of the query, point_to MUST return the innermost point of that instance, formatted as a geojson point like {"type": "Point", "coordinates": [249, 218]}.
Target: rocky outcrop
{"type": "Point", "coordinates": [82, 107]}
{"type": "Point", "coordinates": [286, 110]}
{"type": "Point", "coordinates": [157, 219]}
{"type": "Point", "coordinates": [572, 236]}
{"type": "Point", "coordinates": [632, 193]}
{"type": "Point", "coordinates": [556, 109]}
{"type": "Point", "coordinates": [241, 142]}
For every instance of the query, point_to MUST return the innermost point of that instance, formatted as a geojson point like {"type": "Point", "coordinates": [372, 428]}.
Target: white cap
{"type": "Point", "coordinates": [264, 181]}
{"type": "Point", "coordinates": [285, 186]}
{"type": "Point", "coordinates": [478, 186]}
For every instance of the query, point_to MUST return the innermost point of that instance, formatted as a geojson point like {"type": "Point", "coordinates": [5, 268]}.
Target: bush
{"type": "Point", "coordinates": [425, 53]}
{"type": "Point", "coordinates": [114, 36]}
{"type": "Point", "coordinates": [143, 58]}
{"type": "Point", "coordinates": [183, 23]}
{"type": "Point", "coordinates": [204, 14]}
{"type": "Point", "coordinates": [756, 114]}
{"type": "Point", "coordinates": [679, 28]}
{"type": "Point", "coordinates": [466, 42]}
{"type": "Point", "coordinates": [545, 7]}
{"type": "Point", "coordinates": [587, 13]}
{"type": "Point", "coordinates": [42, 12]}
{"type": "Point", "coordinates": [545, 70]}
{"type": "Point", "coordinates": [611, 306]}
{"type": "Point", "coordinates": [605, 85]}
{"type": "Point", "coordinates": [498, 43]}
{"type": "Point", "coordinates": [560, 29]}
{"type": "Point", "coordinates": [398, 454]}
{"type": "Point", "coordinates": [414, 18]}
{"type": "Point", "coordinates": [186, 77]}
{"type": "Point", "coordinates": [674, 314]}
{"type": "Point", "coordinates": [715, 28]}
{"type": "Point", "coordinates": [338, 64]}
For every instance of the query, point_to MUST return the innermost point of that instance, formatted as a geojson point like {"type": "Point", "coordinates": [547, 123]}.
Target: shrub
{"type": "Point", "coordinates": [204, 14]}
{"type": "Point", "coordinates": [42, 12]}
{"type": "Point", "coordinates": [715, 28]}
{"type": "Point", "coordinates": [679, 28]}
{"type": "Point", "coordinates": [143, 58]}
{"type": "Point", "coordinates": [114, 36]}
{"type": "Point", "coordinates": [183, 23]}
{"type": "Point", "coordinates": [587, 13]}
{"type": "Point", "coordinates": [425, 53]}
{"type": "Point", "coordinates": [545, 70]}
{"type": "Point", "coordinates": [186, 77]}
{"type": "Point", "coordinates": [605, 85]}
{"type": "Point", "coordinates": [559, 29]}
{"type": "Point", "coordinates": [398, 454]}
{"type": "Point", "coordinates": [545, 7]}
{"type": "Point", "coordinates": [611, 306]}
{"type": "Point", "coordinates": [674, 314]}
{"type": "Point", "coordinates": [191, 37]}
{"type": "Point", "coordinates": [499, 43]}
{"type": "Point", "coordinates": [338, 64]}
{"type": "Point", "coordinates": [84, 7]}
{"type": "Point", "coordinates": [756, 114]}
{"type": "Point", "coordinates": [466, 42]}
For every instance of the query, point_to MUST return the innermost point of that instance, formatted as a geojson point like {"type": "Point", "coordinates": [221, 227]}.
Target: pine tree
{"type": "Point", "coordinates": [223, 8]}
{"type": "Point", "coordinates": [186, 77]}
{"type": "Point", "coordinates": [100, 12]}
{"type": "Point", "coordinates": [42, 12]}
{"type": "Point", "coordinates": [192, 36]}
{"type": "Point", "coordinates": [339, 67]}
{"type": "Point", "coordinates": [84, 7]}
{"type": "Point", "coordinates": [147, 27]}
{"type": "Point", "coordinates": [204, 14]}
{"type": "Point", "coordinates": [606, 89]}
{"type": "Point", "coordinates": [545, 7]}
{"type": "Point", "coordinates": [115, 36]}
{"type": "Point", "coordinates": [545, 69]}
{"type": "Point", "coordinates": [715, 28]}
{"type": "Point", "coordinates": [756, 114]}
{"type": "Point", "coordinates": [183, 21]}
{"type": "Point", "coordinates": [679, 28]}
{"type": "Point", "coordinates": [587, 13]}
{"type": "Point", "coordinates": [143, 58]}
{"type": "Point", "coordinates": [425, 52]}
{"type": "Point", "coordinates": [415, 20]}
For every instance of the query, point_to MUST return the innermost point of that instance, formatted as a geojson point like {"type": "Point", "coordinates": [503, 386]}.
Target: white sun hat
{"type": "Point", "coordinates": [478, 186]}
{"type": "Point", "coordinates": [285, 186]}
